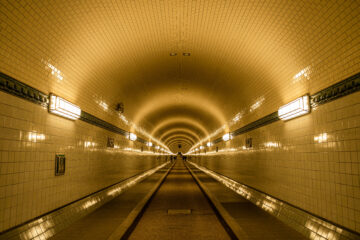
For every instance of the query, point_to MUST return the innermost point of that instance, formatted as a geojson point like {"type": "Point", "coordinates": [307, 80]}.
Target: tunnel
{"type": "Point", "coordinates": [179, 119]}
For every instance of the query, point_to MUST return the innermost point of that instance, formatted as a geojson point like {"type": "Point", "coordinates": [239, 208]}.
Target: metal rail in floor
{"type": "Point", "coordinates": [191, 205]}
{"type": "Point", "coordinates": [179, 202]}
{"type": "Point", "coordinates": [179, 210]}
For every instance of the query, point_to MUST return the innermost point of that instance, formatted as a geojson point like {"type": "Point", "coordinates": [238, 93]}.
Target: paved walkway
{"type": "Point", "coordinates": [168, 214]}
{"type": "Point", "coordinates": [255, 222]}
{"type": "Point", "coordinates": [102, 222]}
{"type": "Point", "coordinates": [179, 210]}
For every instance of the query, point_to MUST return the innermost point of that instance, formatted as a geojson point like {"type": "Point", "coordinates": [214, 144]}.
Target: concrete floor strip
{"type": "Point", "coordinates": [122, 231]}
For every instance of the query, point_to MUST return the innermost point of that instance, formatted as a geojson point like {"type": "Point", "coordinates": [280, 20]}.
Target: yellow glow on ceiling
{"type": "Point", "coordinates": [240, 53]}
{"type": "Point", "coordinates": [174, 134]}
{"type": "Point", "coordinates": [179, 120]}
{"type": "Point", "coordinates": [168, 100]}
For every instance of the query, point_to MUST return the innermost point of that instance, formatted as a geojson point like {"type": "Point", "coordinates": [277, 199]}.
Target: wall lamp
{"type": "Point", "coordinates": [209, 144]}
{"type": "Point", "coordinates": [157, 147]}
{"type": "Point", "coordinates": [201, 147]}
{"type": "Point", "coordinates": [226, 137]}
{"type": "Point", "coordinates": [149, 144]}
{"type": "Point", "coordinates": [132, 136]}
{"type": "Point", "coordinates": [61, 107]}
{"type": "Point", "coordinates": [296, 108]}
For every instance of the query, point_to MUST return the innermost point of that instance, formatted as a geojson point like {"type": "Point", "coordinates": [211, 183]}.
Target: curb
{"type": "Point", "coordinates": [125, 229]}
{"type": "Point", "coordinates": [230, 222]}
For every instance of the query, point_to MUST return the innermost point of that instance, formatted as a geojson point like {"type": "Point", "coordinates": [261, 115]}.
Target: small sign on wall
{"type": "Point", "coordinates": [59, 164]}
{"type": "Point", "coordinates": [110, 142]}
{"type": "Point", "coordinates": [248, 143]}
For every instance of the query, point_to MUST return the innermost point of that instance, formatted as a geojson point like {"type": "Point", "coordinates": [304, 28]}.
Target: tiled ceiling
{"type": "Point", "coordinates": [246, 57]}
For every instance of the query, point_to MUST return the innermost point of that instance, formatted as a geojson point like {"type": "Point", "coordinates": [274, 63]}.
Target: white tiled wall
{"type": "Point", "coordinates": [243, 54]}
{"type": "Point", "coordinates": [295, 162]}
{"type": "Point", "coordinates": [28, 185]}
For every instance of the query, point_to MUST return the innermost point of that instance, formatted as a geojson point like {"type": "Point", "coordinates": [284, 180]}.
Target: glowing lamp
{"type": "Point", "coordinates": [294, 109]}
{"type": "Point", "coordinates": [226, 137]}
{"type": "Point", "coordinates": [63, 108]}
{"type": "Point", "coordinates": [209, 144]}
{"type": "Point", "coordinates": [149, 144]}
{"type": "Point", "coordinates": [157, 147]}
{"type": "Point", "coordinates": [201, 147]}
{"type": "Point", "coordinates": [132, 136]}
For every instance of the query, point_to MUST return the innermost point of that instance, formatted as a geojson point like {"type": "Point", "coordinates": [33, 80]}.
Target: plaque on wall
{"type": "Point", "coordinates": [110, 142]}
{"type": "Point", "coordinates": [248, 143]}
{"type": "Point", "coordinates": [59, 164]}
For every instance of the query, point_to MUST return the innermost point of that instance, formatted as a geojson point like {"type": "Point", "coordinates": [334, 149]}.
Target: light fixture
{"type": "Point", "coordinates": [149, 144]}
{"type": "Point", "coordinates": [186, 54]}
{"type": "Point", "coordinates": [157, 147]}
{"type": "Point", "coordinates": [294, 109]}
{"type": "Point", "coordinates": [132, 136]}
{"type": "Point", "coordinates": [226, 137]}
{"type": "Point", "coordinates": [61, 107]}
{"type": "Point", "coordinates": [196, 149]}
{"type": "Point", "coordinates": [209, 144]}
{"type": "Point", "coordinates": [173, 54]}
{"type": "Point", "coordinates": [201, 147]}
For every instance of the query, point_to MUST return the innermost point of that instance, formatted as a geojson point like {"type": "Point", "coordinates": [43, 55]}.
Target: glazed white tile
{"type": "Point", "coordinates": [312, 162]}
{"type": "Point", "coordinates": [29, 187]}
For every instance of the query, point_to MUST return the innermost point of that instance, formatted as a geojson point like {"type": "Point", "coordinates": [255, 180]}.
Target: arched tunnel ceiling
{"type": "Point", "coordinates": [178, 136]}
{"type": "Point", "coordinates": [242, 54]}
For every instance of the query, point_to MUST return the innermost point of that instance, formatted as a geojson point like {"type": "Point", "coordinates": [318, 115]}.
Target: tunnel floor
{"type": "Point", "coordinates": [255, 223]}
{"type": "Point", "coordinates": [101, 223]}
{"type": "Point", "coordinates": [179, 210]}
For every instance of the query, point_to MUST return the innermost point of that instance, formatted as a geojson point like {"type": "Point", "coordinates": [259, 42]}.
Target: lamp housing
{"type": "Point", "coordinates": [296, 108]}
{"type": "Point", "coordinates": [132, 136]}
{"type": "Point", "coordinates": [226, 137]}
{"type": "Point", "coordinates": [64, 108]}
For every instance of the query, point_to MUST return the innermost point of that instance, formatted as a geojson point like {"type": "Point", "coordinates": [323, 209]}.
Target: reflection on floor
{"type": "Point", "coordinates": [179, 210]}
{"type": "Point", "coordinates": [255, 222]}
{"type": "Point", "coordinates": [102, 222]}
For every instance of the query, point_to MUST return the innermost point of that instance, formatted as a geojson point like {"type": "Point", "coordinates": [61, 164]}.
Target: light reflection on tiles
{"type": "Point", "coordinates": [117, 190]}
{"type": "Point", "coordinates": [267, 145]}
{"type": "Point", "coordinates": [99, 100]}
{"type": "Point", "coordinates": [272, 144]}
{"type": "Point", "coordinates": [257, 104]}
{"type": "Point", "coordinates": [45, 227]}
{"type": "Point", "coordinates": [303, 222]}
{"type": "Point", "coordinates": [320, 230]}
{"type": "Point", "coordinates": [304, 74]}
{"type": "Point", "coordinates": [54, 71]}
{"type": "Point", "coordinates": [34, 137]}
{"type": "Point", "coordinates": [238, 116]}
{"type": "Point", "coordinates": [321, 138]}
{"type": "Point", "coordinates": [88, 144]}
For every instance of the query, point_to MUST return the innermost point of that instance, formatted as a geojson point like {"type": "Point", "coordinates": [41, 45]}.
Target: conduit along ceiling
{"type": "Point", "coordinates": [185, 70]}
